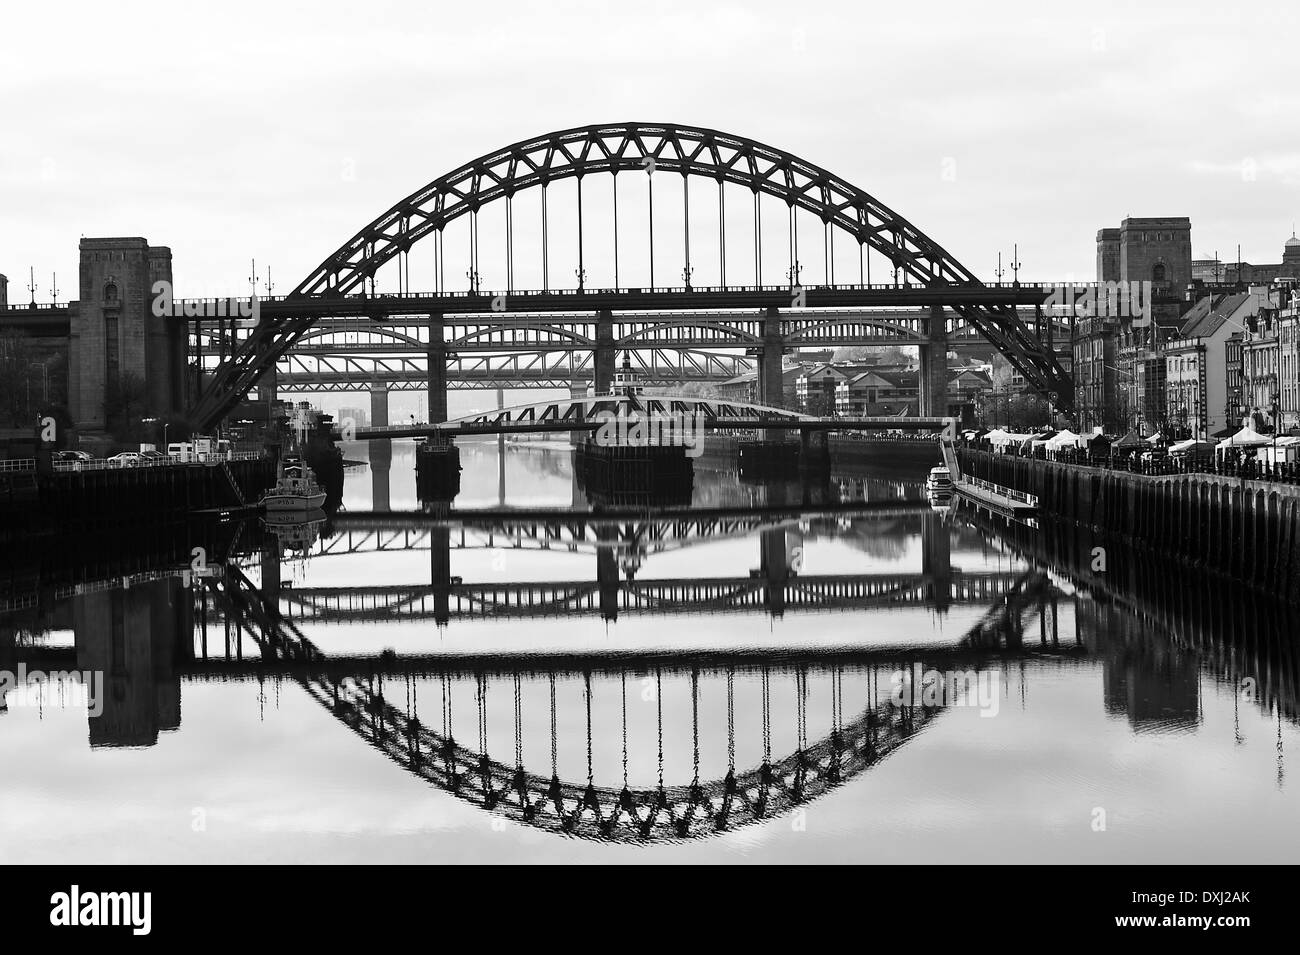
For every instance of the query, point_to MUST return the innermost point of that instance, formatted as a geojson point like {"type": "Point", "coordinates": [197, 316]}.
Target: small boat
{"type": "Point", "coordinates": [939, 481]}
{"type": "Point", "coordinates": [295, 530]}
{"type": "Point", "coordinates": [294, 492]}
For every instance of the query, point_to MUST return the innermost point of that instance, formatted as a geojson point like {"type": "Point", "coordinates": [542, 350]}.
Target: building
{"type": "Point", "coordinates": [1155, 250]}
{"type": "Point", "coordinates": [1198, 396]}
{"type": "Point", "coordinates": [1259, 365]}
{"type": "Point", "coordinates": [1118, 367]}
{"type": "Point", "coordinates": [1216, 271]}
{"type": "Point", "coordinates": [1096, 395]}
{"type": "Point", "coordinates": [1288, 300]}
{"type": "Point", "coordinates": [360, 417]}
{"type": "Point", "coordinates": [1232, 386]}
{"type": "Point", "coordinates": [879, 391]}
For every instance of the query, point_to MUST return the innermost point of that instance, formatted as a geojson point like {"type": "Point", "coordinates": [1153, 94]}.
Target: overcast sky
{"type": "Point", "coordinates": [275, 131]}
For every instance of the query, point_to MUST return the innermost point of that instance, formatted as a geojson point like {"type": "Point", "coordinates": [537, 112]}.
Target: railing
{"type": "Point", "coordinates": [997, 489]}
{"type": "Point", "coordinates": [211, 459]}
{"type": "Point", "coordinates": [632, 290]}
{"type": "Point", "coordinates": [1167, 465]}
{"type": "Point", "coordinates": [18, 464]}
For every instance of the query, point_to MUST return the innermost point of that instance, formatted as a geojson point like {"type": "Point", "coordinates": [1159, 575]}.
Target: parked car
{"type": "Point", "coordinates": [153, 457]}
{"type": "Point", "coordinates": [127, 459]}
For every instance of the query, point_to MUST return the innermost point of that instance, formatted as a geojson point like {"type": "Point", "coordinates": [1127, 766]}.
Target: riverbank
{"type": "Point", "coordinates": [1246, 530]}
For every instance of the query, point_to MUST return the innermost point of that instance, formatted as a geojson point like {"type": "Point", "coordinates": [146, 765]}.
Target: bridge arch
{"type": "Point", "coordinates": [634, 147]}
{"type": "Point", "coordinates": [575, 153]}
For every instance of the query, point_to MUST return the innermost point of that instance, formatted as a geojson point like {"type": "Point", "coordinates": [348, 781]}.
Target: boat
{"type": "Point", "coordinates": [293, 492]}
{"type": "Point", "coordinates": [295, 530]}
{"type": "Point", "coordinates": [939, 481]}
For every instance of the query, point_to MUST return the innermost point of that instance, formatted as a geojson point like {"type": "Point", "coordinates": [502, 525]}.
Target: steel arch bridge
{"type": "Point", "coordinates": [693, 153]}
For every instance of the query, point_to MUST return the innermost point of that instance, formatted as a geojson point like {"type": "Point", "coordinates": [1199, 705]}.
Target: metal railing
{"type": "Point", "coordinates": [1172, 465]}
{"type": "Point", "coordinates": [1001, 491]}
{"type": "Point", "coordinates": [18, 464]}
{"type": "Point", "coordinates": [211, 459]}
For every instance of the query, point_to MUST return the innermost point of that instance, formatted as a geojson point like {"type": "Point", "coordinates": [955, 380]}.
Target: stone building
{"type": "Point", "coordinates": [1216, 271]}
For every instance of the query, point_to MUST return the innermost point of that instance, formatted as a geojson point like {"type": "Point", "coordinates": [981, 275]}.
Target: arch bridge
{"type": "Point", "coordinates": [812, 206]}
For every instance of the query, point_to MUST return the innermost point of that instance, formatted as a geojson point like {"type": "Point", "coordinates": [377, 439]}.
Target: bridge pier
{"type": "Point", "coordinates": [607, 583]}
{"type": "Point", "coordinates": [381, 451]}
{"type": "Point", "coordinates": [771, 387]}
{"type": "Point", "coordinates": [936, 559]}
{"type": "Point", "coordinates": [440, 572]}
{"type": "Point", "coordinates": [603, 360]}
{"type": "Point", "coordinates": [381, 471]}
{"type": "Point", "coordinates": [774, 568]}
{"type": "Point", "coordinates": [437, 371]}
{"type": "Point", "coordinates": [933, 371]}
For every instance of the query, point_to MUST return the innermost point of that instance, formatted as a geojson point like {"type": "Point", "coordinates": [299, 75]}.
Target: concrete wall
{"type": "Point", "coordinates": [1246, 530]}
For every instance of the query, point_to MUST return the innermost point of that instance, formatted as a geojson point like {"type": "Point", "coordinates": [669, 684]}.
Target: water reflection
{"type": "Point", "coordinates": [664, 675]}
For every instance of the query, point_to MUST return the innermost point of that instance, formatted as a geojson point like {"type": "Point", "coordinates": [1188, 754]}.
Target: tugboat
{"type": "Point", "coordinates": [293, 491]}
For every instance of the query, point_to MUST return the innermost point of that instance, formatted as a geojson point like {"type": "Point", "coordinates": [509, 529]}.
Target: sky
{"type": "Point", "coordinates": [274, 132]}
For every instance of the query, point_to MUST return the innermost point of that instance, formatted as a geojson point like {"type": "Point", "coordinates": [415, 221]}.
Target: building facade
{"type": "Point", "coordinates": [1199, 400]}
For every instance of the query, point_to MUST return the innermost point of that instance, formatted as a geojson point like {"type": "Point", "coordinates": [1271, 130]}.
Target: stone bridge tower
{"type": "Point", "coordinates": [115, 333]}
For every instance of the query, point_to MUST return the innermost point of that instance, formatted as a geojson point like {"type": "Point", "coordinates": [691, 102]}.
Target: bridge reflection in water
{"type": "Point", "coordinates": [650, 745]}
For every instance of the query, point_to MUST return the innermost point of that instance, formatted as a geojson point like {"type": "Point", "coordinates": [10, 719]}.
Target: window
{"type": "Point", "coordinates": [1158, 273]}
{"type": "Point", "coordinates": [110, 293]}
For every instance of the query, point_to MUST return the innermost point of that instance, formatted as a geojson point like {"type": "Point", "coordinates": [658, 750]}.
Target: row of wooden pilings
{"type": "Point", "coordinates": [1246, 530]}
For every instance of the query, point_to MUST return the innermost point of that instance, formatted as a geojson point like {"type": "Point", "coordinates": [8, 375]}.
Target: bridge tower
{"type": "Point", "coordinates": [114, 332]}
{"type": "Point", "coordinates": [4, 291]}
{"type": "Point", "coordinates": [130, 636]}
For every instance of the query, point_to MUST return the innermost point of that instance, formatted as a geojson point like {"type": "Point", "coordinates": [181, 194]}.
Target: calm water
{"type": "Point", "coordinates": [648, 662]}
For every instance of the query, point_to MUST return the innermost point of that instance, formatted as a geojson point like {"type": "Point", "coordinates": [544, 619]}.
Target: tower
{"type": "Point", "coordinates": [1290, 257]}
{"type": "Point", "coordinates": [1108, 255]}
{"type": "Point", "coordinates": [1156, 250]}
{"type": "Point", "coordinates": [116, 336]}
